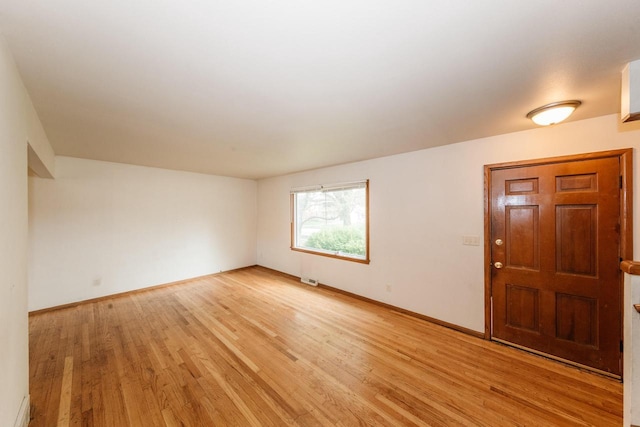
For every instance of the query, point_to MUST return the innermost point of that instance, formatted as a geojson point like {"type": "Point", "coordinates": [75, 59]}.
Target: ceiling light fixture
{"type": "Point", "coordinates": [553, 113]}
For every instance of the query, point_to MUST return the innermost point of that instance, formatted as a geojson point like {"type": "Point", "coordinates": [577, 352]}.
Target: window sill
{"type": "Point", "coordinates": [333, 255]}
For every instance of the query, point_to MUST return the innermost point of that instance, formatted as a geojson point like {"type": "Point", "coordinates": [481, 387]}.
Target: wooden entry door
{"type": "Point", "coordinates": [555, 249]}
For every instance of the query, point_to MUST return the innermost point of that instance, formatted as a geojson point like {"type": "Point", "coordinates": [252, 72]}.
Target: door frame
{"type": "Point", "coordinates": [626, 215]}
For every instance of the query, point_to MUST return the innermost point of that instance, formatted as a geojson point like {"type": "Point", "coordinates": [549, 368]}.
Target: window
{"type": "Point", "coordinates": [332, 220]}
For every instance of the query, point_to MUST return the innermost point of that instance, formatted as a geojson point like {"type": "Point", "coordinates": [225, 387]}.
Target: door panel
{"type": "Point", "coordinates": [523, 308]}
{"type": "Point", "coordinates": [555, 251]}
{"type": "Point", "coordinates": [522, 226]}
{"type": "Point", "coordinates": [576, 237]}
{"type": "Point", "coordinates": [576, 319]}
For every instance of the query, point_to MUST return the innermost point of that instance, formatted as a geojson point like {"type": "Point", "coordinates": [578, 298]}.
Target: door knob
{"type": "Point", "coordinates": [497, 265]}
{"type": "Point", "coordinates": [499, 242]}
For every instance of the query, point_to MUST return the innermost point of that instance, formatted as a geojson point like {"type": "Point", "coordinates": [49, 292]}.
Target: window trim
{"type": "Point", "coordinates": [294, 191]}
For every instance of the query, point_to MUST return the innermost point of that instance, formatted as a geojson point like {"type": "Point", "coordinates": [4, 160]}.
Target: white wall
{"type": "Point", "coordinates": [421, 204]}
{"type": "Point", "coordinates": [130, 227]}
{"type": "Point", "coordinates": [17, 121]}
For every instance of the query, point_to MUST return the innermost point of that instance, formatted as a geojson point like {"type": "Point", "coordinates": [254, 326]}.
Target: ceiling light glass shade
{"type": "Point", "coordinates": [551, 114]}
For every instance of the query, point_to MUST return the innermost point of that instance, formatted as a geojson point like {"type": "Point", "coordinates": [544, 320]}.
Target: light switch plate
{"type": "Point", "coordinates": [471, 240]}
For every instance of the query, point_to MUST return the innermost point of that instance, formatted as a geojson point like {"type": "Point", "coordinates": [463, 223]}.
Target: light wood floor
{"type": "Point", "coordinates": [252, 347]}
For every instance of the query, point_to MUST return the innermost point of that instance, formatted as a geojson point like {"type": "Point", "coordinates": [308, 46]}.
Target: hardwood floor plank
{"type": "Point", "coordinates": [64, 408]}
{"type": "Point", "coordinates": [254, 347]}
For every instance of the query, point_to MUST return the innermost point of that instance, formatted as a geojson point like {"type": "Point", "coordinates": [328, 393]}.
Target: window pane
{"type": "Point", "coordinates": [332, 221]}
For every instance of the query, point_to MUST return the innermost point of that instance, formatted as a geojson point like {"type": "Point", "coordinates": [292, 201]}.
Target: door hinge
{"type": "Point", "coordinates": [621, 180]}
{"type": "Point", "coordinates": [621, 346]}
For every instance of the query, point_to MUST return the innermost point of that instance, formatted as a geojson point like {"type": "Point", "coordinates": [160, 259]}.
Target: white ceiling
{"type": "Point", "coordinates": [255, 88]}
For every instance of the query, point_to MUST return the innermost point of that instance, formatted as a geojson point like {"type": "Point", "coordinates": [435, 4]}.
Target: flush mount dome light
{"type": "Point", "coordinates": [553, 113]}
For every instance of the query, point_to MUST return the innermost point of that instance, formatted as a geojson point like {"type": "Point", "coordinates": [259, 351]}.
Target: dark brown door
{"type": "Point", "coordinates": [555, 252]}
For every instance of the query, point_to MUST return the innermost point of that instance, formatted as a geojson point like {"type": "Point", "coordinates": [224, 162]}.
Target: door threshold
{"type": "Point", "coordinates": [558, 359]}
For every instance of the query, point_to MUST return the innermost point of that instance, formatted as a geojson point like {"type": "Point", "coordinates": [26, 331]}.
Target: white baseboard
{"type": "Point", "coordinates": [24, 414]}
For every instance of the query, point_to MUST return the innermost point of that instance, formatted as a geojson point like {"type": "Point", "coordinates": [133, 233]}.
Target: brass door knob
{"type": "Point", "coordinates": [499, 242]}
{"type": "Point", "coordinates": [497, 265]}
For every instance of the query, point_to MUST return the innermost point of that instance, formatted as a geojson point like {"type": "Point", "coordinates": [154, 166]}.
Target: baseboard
{"type": "Point", "coordinates": [389, 306]}
{"type": "Point", "coordinates": [124, 294]}
{"type": "Point", "coordinates": [407, 312]}
{"type": "Point", "coordinates": [23, 418]}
